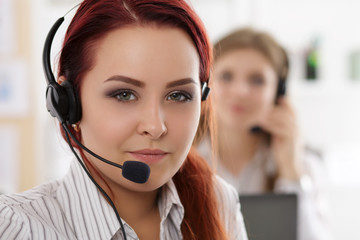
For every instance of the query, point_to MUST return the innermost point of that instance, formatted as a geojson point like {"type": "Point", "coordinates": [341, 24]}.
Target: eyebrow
{"type": "Point", "coordinates": [180, 82]}
{"type": "Point", "coordinates": [132, 81]}
{"type": "Point", "coordinates": [141, 84]}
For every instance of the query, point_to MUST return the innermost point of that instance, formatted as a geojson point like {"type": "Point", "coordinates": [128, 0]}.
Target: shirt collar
{"type": "Point", "coordinates": [97, 213]}
{"type": "Point", "coordinates": [94, 215]}
{"type": "Point", "coordinates": [170, 206]}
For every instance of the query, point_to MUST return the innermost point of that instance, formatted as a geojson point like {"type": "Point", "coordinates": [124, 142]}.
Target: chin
{"type": "Point", "coordinates": [149, 186]}
{"type": "Point", "coordinates": [156, 180]}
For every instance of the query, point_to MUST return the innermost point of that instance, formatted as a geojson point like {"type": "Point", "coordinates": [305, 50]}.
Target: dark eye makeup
{"type": "Point", "coordinates": [122, 95]}
{"type": "Point", "coordinates": [179, 96]}
{"type": "Point", "coordinates": [127, 95]}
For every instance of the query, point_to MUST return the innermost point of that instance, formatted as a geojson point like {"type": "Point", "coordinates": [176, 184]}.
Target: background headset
{"type": "Point", "coordinates": [281, 87]}
{"type": "Point", "coordinates": [283, 74]}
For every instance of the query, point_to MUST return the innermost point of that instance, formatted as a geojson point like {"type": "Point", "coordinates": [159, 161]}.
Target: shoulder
{"type": "Point", "coordinates": [225, 192]}
{"type": "Point", "coordinates": [203, 148]}
{"type": "Point", "coordinates": [228, 198]}
{"type": "Point", "coordinates": [20, 210]}
{"type": "Point", "coordinates": [30, 196]}
{"type": "Point", "coordinates": [11, 223]}
{"type": "Point", "coordinates": [229, 208]}
{"type": "Point", "coordinates": [314, 164]}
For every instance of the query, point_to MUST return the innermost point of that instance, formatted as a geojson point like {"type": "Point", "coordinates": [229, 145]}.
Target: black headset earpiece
{"type": "Point", "coordinates": [281, 88]}
{"type": "Point", "coordinates": [62, 101]}
{"type": "Point", "coordinates": [205, 90]}
{"type": "Point", "coordinates": [57, 102]}
{"type": "Point", "coordinates": [74, 110]}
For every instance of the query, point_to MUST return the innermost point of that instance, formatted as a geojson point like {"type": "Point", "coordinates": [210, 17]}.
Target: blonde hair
{"type": "Point", "coordinates": [257, 40]}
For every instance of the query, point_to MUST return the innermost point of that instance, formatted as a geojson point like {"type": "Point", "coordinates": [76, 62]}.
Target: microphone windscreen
{"type": "Point", "coordinates": [135, 171]}
{"type": "Point", "coordinates": [256, 129]}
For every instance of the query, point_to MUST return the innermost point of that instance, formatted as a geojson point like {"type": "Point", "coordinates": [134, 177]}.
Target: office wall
{"type": "Point", "coordinates": [16, 55]}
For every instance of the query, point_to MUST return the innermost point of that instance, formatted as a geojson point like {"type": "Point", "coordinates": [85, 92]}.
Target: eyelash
{"type": "Point", "coordinates": [187, 96]}
{"type": "Point", "coordinates": [118, 93]}
{"type": "Point", "coordinates": [184, 96]}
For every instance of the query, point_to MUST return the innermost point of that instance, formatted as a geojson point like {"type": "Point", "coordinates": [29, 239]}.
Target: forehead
{"type": "Point", "coordinates": [246, 61]}
{"type": "Point", "coordinates": [244, 56]}
{"type": "Point", "coordinates": [149, 49]}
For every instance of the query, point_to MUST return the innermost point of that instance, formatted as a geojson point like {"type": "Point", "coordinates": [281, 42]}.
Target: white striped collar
{"type": "Point", "coordinates": [170, 207]}
{"type": "Point", "coordinates": [94, 216]}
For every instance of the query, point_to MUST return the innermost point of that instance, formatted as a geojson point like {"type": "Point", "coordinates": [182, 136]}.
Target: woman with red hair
{"type": "Point", "coordinates": [129, 89]}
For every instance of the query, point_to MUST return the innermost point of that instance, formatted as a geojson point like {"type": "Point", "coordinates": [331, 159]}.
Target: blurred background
{"type": "Point", "coordinates": [326, 99]}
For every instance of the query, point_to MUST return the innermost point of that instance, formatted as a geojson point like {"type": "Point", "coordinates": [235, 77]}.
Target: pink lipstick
{"type": "Point", "coordinates": [149, 156]}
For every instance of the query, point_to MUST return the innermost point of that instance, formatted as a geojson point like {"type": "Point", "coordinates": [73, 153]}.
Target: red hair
{"type": "Point", "coordinates": [94, 19]}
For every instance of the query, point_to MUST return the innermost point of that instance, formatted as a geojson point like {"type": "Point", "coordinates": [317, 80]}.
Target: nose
{"type": "Point", "coordinates": [152, 121]}
{"type": "Point", "coordinates": [240, 89]}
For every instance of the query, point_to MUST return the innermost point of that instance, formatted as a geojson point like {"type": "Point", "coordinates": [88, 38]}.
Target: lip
{"type": "Point", "coordinates": [238, 109]}
{"type": "Point", "coordinates": [149, 156]}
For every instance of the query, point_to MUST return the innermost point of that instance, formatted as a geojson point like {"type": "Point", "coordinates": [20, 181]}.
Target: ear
{"type": "Point", "coordinates": [61, 79]}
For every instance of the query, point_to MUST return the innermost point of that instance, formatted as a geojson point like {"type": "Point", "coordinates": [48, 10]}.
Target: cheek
{"type": "Point", "coordinates": [219, 89]}
{"type": "Point", "coordinates": [263, 98]}
{"type": "Point", "coordinates": [182, 124]}
{"type": "Point", "coordinates": [105, 125]}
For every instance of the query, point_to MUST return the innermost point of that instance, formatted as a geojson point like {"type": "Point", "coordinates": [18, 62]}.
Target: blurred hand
{"type": "Point", "coordinates": [281, 124]}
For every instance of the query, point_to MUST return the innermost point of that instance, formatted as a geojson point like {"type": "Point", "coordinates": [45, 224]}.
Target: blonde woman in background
{"type": "Point", "coordinates": [249, 127]}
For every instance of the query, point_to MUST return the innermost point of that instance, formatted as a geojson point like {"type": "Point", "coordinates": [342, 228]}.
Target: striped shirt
{"type": "Point", "coordinates": [73, 208]}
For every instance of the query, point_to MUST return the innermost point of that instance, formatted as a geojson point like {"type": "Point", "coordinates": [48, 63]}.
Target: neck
{"type": "Point", "coordinates": [135, 207]}
{"type": "Point", "coordinates": [236, 148]}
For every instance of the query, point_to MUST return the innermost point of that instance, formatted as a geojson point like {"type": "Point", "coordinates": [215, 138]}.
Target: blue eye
{"type": "Point", "coordinates": [179, 97]}
{"type": "Point", "coordinates": [123, 95]}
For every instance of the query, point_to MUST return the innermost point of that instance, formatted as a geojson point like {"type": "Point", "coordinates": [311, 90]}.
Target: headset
{"type": "Point", "coordinates": [281, 87]}
{"type": "Point", "coordinates": [62, 101]}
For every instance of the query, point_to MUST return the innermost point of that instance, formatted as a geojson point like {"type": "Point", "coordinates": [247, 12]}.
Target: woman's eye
{"type": "Point", "coordinates": [124, 95]}
{"type": "Point", "coordinates": [257, 80]}
{"type": "Point", "coordinates": [226, 76]}
{"type": "Point", "coordinates": [179, 97]}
